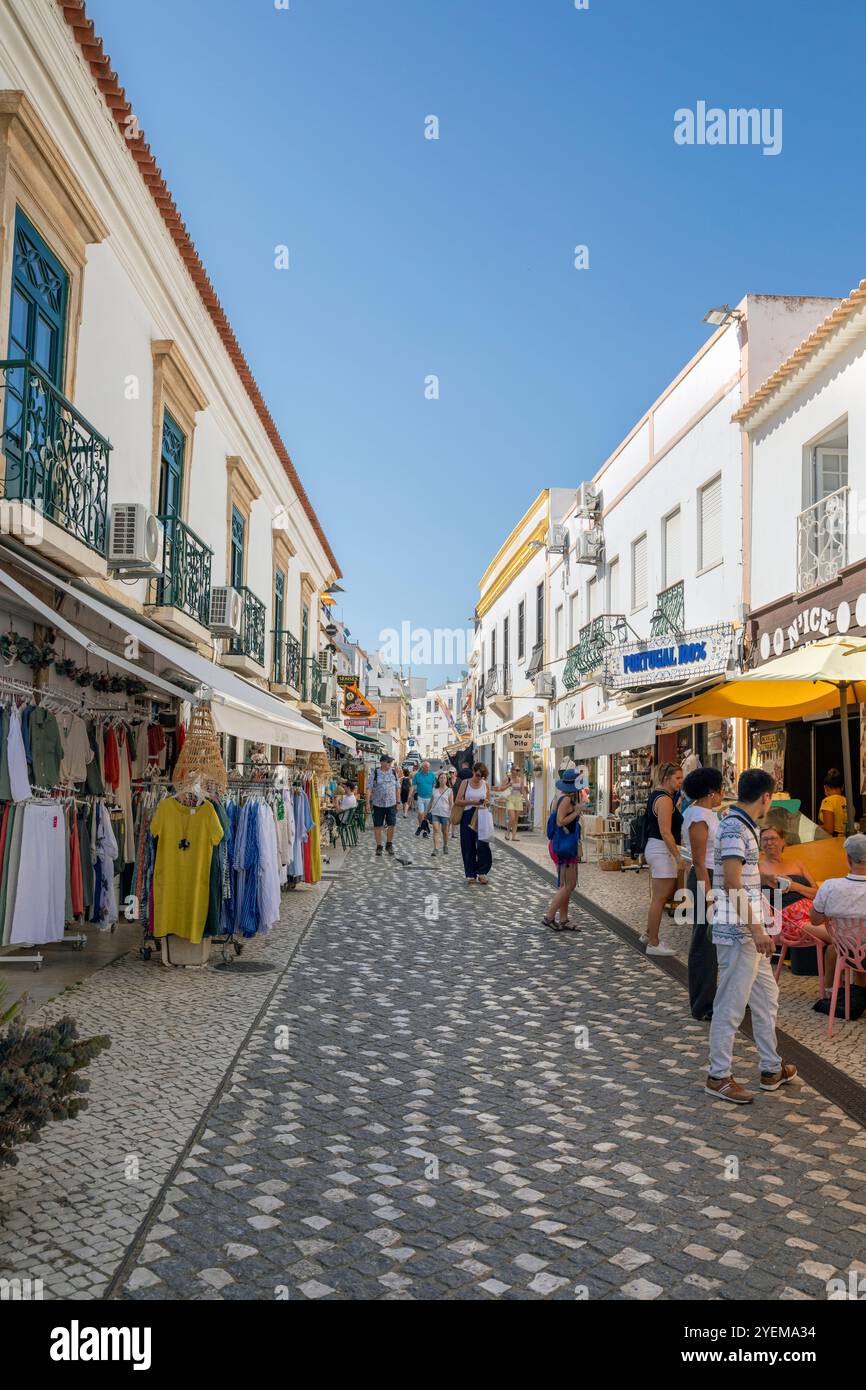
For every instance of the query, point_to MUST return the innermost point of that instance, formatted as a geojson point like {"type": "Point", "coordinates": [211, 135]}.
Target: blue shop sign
{"type": "Point", "coordinates": [683, 654]}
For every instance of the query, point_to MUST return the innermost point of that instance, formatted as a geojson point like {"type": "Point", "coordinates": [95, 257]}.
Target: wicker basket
{"type": "Point", "coordinates": [610, 866]}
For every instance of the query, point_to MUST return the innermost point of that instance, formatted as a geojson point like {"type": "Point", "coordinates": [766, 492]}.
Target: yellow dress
{"type": "Point", "coordinates": [181, 879]}
{"type": "Point", "coordinates": [315, 833]}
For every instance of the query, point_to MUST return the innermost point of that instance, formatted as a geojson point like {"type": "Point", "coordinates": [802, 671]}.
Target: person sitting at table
{"type": "Point", "coordinates": [833, 811]}
{"type": "Point", "coordinates": [841, 897]}
{"type": "Point", "coordinates": [347, 801]}
{"type": "Point", "coordinates": [773, 867]}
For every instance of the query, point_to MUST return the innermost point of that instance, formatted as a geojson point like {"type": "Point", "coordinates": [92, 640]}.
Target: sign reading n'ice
{"type": "Point", "coordinates": [703, 651]}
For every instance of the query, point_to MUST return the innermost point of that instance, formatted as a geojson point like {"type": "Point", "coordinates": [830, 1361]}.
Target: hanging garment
{"type": "Point", "coordinates": [86, 860]}
{"type": "Point", "coordinates": [94, 784]}
{"type": "Point", "coordinates": [124, 796]}
{"type": "Point", "coordinates": [77, 752]}
{"type": "Point", "coordinates": [111, 772]}
{"type": "Point", "coordinates": [181, 882]}
{"type": "Point", "coordinates": [26, 715]}
{"type": "Point", "coordinates": [5, 785]}
{"type": "Point", "coordinates": [299, 801]}
{"type": "Point", "coordinates": [76, 883]}
{"type": "Point", "coordinates": [45, 747]}
{"type": "Point", "coordinates": [105, 899]}
{"type": "Point", "coordinates": [13, 812]}
{"type": "Point", "coordinates": [247, 866]}
{"type": "Point", "coordinates": [315, 833]}
{"type": "Point", "coordinates": [19, 782]}
{"type": "Point", "coordinates": [156, 745]}
{"type": "Point", "coordinates": [39, 917]}
{"type": "Point", "coordinates": [268, 904]}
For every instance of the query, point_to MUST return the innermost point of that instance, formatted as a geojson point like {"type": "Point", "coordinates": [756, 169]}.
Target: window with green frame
{"type": "Point", "coordinates": [279, 617]}
{"type": "Point", "coordinates": [238, 547]}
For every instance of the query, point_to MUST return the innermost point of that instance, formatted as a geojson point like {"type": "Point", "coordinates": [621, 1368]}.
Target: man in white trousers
{"type": "Point", "coordinates": [743, 947]}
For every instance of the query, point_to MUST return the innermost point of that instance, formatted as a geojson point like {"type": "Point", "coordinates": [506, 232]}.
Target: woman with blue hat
{"type": "Point", "coordinates": [563, 833]}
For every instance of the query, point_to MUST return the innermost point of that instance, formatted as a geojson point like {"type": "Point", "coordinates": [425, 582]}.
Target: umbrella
{"type": "Point", "coordinates": [826, 675]}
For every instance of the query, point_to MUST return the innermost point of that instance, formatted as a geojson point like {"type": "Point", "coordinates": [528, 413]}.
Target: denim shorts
{"type": "Point", "coordinates": [383, 815]}
{"type": "Point", "coordinates": [441, 820]}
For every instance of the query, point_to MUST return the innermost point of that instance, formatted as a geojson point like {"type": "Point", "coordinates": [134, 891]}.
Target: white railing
{"type": "Point", "coordinates": [822, 540]}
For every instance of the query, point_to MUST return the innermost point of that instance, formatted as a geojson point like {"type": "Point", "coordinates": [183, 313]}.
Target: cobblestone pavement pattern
{"type": "Point", "coordinates": [417, 1116]}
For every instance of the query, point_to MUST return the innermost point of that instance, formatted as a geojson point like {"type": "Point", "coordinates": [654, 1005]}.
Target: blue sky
{"type": "Point", "coordinates": [454, 257]}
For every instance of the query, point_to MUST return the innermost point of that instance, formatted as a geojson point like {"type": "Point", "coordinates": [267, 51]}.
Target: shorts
{"type": "Point", "coordinates": [514, 803]}
{"type": "Point", "coordinates": [421, 805]}
{"type": "Point", "coordinates": [441, 820]}
{"type": "Point", "coordinates": [384, 815]}
{"type": "Point", "coordinates": [660, 860]}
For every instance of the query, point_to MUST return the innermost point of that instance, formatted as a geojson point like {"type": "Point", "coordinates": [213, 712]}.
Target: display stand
{"type": "Point", "coordinates": [634, 780]}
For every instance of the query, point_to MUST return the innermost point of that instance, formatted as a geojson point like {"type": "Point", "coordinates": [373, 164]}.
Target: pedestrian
{"type": "Point", "coordinates": [441, 804]}
{"type": "Point", "coordinates": [833, 811]}
{"type": "Point", "coordinates": [405, 791]}
{"type": "Point", "coordinates": [564, 842]}
{"type": "Point", "coordinates": [382, 791]}
{"type": "Point", "coordinates": [664, 825]}
{"type": "Point", "coordinates": [515, 788]}
{"type": "Point", "coordinates": [700, 826]}
{"type": "Point", "coordinates": [743, 947]}
{"type": "Point", "coordinates": [422, 784]}
{"type": "Point", "coordinates": [473, 794]}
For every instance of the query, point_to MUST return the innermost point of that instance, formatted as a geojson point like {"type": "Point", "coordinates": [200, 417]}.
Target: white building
{"type": "Point", "coordinates": [130, 388]}
{"type": "Point", "coordinates": [434, 719]}
{"type": "Point", "coordinates": [647, 594]}
{"type": "Point", "coordinates": [807, 572]}
{"type": "Point", "coordinates": [512, 685]}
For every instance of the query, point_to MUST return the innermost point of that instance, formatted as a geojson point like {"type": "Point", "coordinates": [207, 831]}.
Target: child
{"type": "Point", "coordinates": [833, 811]}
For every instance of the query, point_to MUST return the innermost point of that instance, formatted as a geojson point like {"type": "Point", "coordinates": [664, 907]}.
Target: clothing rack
{"type": "Point", "coordinates": [18, 687]}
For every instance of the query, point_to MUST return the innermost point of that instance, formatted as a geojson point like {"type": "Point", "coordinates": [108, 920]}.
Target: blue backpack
{"type": "Point", "coordinates": [564, 840]}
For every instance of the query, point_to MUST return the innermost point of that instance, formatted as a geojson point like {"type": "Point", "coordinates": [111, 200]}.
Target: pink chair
{"type": "Point", "coordinates": [848, 935]}
{"type": "Point", "coordinates": [791, 937]}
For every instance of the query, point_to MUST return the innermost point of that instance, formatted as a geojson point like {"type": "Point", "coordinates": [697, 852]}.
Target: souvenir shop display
{"type": "Point", "coordinates": [200, 755]}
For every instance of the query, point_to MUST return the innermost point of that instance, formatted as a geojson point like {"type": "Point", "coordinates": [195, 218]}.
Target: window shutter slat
{"type": "Point", "coordinates": [711, 523]}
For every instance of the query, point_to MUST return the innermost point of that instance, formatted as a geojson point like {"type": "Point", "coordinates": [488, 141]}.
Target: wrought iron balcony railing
{"type": "Point", "coordinates": [287, 659]}
{"type": "Point", "coordinates": [594, 639]}
{"type": "Point", "coordinates": [822, 540]}
{"type": "Point", "coordinates": [498, 681]}
{"type": "Point", "coordinates": [251, 642]}
{"type": "Point", "coordinates": [669, 617]}
{"type": "Point", "coordinates": [311, 681]}
{"type": "Point", "coordinates": [54, 459]}
{"type": "Point", "coordinates": [186, 562]}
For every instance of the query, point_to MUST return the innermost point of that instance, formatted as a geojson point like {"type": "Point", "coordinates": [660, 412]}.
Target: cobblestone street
{"type": "Point", "coordinates": [444, 1099]}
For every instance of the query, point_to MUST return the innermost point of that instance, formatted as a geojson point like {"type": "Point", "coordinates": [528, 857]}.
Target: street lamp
{"type": "Point", "coordinates": [721, 315]}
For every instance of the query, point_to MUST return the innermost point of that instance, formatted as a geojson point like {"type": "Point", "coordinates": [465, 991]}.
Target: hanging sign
{"type": "Point", "coordinates": [348, 681]}
{"type": "Point", "coordinates": [357, 723]}
{"type": "Point", "coordinates": [521, 740]}
{"type": "Point", "coordinates": [704, 651]}
{"type": "Point", "coordinates": [354, 703]}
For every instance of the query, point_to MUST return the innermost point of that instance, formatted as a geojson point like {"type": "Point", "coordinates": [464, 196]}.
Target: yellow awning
{"type": "Point", "coordinates": [769, 700]}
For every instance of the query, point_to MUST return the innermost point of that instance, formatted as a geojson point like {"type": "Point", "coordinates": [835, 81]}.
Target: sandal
{"type": "Point", "coordinates": [553, 924]}
{"type": "Point", "coordinates": [569, 926]}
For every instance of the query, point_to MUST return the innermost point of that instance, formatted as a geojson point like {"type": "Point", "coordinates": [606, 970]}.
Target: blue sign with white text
{"type": "Point", "coordinates": [684, 654]}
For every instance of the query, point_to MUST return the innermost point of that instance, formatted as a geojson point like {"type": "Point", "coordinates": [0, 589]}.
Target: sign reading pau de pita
{"type": "Point", "coordinates": [798, 620]}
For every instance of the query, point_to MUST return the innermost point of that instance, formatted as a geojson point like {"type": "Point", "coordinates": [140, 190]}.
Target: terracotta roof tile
{"type": "Point", "coordinates": [99, 63]}
{"type": "Point", "coordinates": [843, 311]}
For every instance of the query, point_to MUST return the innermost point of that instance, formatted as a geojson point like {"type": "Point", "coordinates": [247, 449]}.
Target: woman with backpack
{"type": "Point", "coordinates": [563, 834]}
{"type": "Point", "coordinates": [663, 825]}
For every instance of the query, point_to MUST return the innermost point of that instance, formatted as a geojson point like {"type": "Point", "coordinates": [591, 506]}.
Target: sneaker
{"type": "Point", "coordinates": [772, 1080]}
{"type": "Point", "coordinates": [444, 849]}
{"type": "Point", "coordinates": [726, 1088]}
{"type": "Point", "coordinates": [643, 938]}
{"type": "Point", "coordinates": [378, 851]}
{"type": "Point", "coordinates": [660, 950]}
{"type": "Point", "coordinates": [435, 854]}
{"type": "Point", "coordinates": [389, 849]}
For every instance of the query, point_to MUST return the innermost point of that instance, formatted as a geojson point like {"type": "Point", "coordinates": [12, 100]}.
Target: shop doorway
{"type": "Point", "coordinates": [827, 745]}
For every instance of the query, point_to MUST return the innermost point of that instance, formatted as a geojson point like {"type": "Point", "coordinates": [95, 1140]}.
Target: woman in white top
{"type": "Point", "coordinates": [477, 857]}
{"type": "Point", "coordinates": [439, 812]}
{"type": "Point", "coordinates": [700, 826]}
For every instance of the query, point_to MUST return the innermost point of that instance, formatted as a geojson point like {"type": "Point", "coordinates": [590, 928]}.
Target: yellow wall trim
{"type": "Point", "coordinates": [508, 575]}
{"type": "Point", "coordinates": [543, 496]}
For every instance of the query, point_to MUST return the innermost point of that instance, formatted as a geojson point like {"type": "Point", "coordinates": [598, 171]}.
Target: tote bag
{"type": "Point", "coordinates": [485, 824]}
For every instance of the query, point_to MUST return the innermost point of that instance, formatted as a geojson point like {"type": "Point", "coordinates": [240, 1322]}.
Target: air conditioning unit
{"type": "Point", "coordinates": [557, 540]}
{"type": "Point", "coordinates": [589, 501]}
{"type": "Point", "coordinates": [544, 685]}
{"type": "Point", "coordinates": [589, 546]}
{"type": "Point", "coordinates": [226, 612]}
{"type": "Point", "coordinates": [135, 539]}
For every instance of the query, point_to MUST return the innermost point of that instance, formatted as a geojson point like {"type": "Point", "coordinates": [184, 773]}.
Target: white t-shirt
{"type": "Point", "coordinates": [348, 802]}
{"type": "Point", "coordinates": [842, 897]}
{"type": "Point", "coordinates": [711, 820]}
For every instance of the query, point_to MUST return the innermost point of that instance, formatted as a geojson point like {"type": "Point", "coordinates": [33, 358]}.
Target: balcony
{"type": "Point", "coordinates": [669, 618]}
{"type": "Point", "coordinates": [498, 681]}
{"type": "Point", "coordinates": [182, 600]}
{"type": "Point", "coordinates": [247, 652]}
{"type": "Point", "coordinates": [606, 631]}
{"type": "Point", "coordinates": [55, 471]}
{"type": "Point", "coordinates": [287, 662]}
{"type": "Point", "coordinates": [311, 682]}
{"type": "Point", "coordinates": [822, 540]}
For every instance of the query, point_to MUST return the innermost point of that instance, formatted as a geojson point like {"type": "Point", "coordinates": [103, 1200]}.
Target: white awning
{"type": "Point", "coordinates": [333, 731]}
{"type": "Point", "coordinates": [53, 619]}
{"type": "Point", "coordinates": [236, 703]}
{"type": "Point", "coordinates": [597, 740]}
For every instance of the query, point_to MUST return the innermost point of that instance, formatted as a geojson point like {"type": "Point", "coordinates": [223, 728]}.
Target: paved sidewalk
{"type": "Point", "coordinates": [72, 1206]}
{"type": "Point", "coordinates": [444, 1099]}
{"type": "Point", "coordinates": [625, 896]}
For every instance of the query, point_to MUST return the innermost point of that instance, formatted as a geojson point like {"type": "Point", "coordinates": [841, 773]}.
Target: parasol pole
{"type": "Point", "coordinates": [846, 755]}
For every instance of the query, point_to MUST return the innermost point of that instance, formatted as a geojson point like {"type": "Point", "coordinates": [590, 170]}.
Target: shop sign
{"type": "Point", "coordinates": [704, 651]}
{"type": "Point", "coordinates": [357, 723]}
{"type": "Point", "coordinates": [354, 703]}
{"type": "Point", "coordinates": [797, 622]}
{"type": "Point", "coordinates": [521, 740]}
{"type": "Point", "coordinates": [349, 681]}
